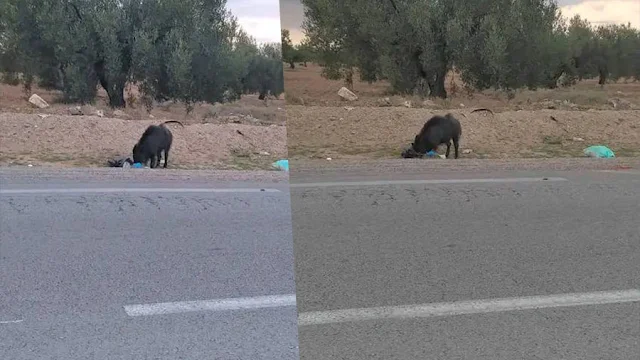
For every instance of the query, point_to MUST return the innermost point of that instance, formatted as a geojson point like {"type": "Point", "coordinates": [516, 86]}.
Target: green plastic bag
{"type": "Point", "coordinates": [599, 151]}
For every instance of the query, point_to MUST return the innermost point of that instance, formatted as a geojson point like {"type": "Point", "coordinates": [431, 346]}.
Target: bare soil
{"type": "Point", "coordinates": [247, 134]}
{"type": "Point", "coordinates": [531, 124]}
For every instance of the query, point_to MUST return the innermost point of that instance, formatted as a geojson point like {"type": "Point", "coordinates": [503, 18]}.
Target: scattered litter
{"type": "Point", "coordinates": [467, 151]}
{"type": "Point", "coordinates": [578, 139]}
{"type": "Point", "coordinates": [407, 104]}
{"type": "Point", "coordinates": [263, 153]}
{"type": "Point", "coordinates": [622, 167]}
{"type": "Point", "coordinates": [431, 153]}
{"type": "Point", "coordinates": [120, 114]}
{"type": "Point", "coordinates": [42, 116]}
{"type": "Point", "coordinates": [385, 102]}
{"type": "Point", "coordinates": [75, 111]}
{"type": "Point", "coordinates": [137, 165]}
{"type": "Point", "coordinates": [120, 162]}
{"type": "Point", "coordinates": [599, 151]}
{"type": "Point", "coordinates": [482, 109]}
{"type": "Point", "coordinates": [282, 164]}
{"type": "Point", "coordinates": [328, 158]}
{"type": "Point", "coordinates": [30, 165]}
{"type": "Point", "coordinates": [349, 108]}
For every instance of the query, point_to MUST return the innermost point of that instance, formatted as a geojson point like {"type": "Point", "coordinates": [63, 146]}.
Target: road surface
{"type": "Point", "coordinates": [429, 263]}
{"type": "Point", "coordinates": [149, 265]}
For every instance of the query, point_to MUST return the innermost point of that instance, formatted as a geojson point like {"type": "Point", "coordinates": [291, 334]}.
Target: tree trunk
{"type": "Point", "coordinates": [602, 76]}
{"type": "Point", "coordinates": [348, 79]}
{"type": "Point", "coordinates": [116, 96]}
{"type": "Point", "coordinates": [436, 85]}
{"type": "Point", "coordinates": [114, 91]}
{"type": "Point", "coordinates": [292, 65]}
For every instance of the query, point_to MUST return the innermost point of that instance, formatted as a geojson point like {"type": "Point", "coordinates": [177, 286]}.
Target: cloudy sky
{"type": "Point", "coordinates": [262, 18]}
{"type": "Point", "coordinates": [259, 18]}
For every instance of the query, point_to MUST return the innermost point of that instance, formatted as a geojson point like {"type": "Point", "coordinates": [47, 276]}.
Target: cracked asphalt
{"type": "Point", "coordinates": [70, 262]}
{"type": "Point", "coordinates": [360, 246]}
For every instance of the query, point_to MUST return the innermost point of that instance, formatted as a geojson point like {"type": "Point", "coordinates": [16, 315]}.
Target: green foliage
{"type": "Point", "coordinates": [290, 54]}
{"type": "Point", "coordinates": [499, 44]}
{"type": "Point", "coordinates": [187, 50]}
{"type": "Point", "coordinates": [265, 74]}
{"type": "Point", "coordinates": [305, 52]}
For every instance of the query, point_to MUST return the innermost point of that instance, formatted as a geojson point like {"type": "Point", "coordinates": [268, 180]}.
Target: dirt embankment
{"type": "Point", "coordinates": [248, 134]}
{"type": "Point", "coordinates": [320, 132]}
{"type": "Point", "coordinates": [530, 124]}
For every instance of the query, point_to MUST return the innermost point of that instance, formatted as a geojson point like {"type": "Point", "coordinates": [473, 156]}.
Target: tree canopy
{"type": "Point", "coordinates": [187, 50]}
{"type": "Point", "coordinates": [501, 44]}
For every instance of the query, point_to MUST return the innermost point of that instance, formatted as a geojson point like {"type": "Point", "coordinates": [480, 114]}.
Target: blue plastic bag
{"type": "Point", "coordinates": [281, 165]}
{"type": "Point", "coordinates": [599, 151]}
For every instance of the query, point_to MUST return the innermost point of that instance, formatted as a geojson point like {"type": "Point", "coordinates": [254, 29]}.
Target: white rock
{"type": "Point", "coordinates": [38, 101]}
{"type": "Point", "coordinates": [467, 151]}
{"type": "Point", "coordinates": [347, 94]}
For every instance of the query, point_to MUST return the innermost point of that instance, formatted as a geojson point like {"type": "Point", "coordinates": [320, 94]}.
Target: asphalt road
{"type": "Point", "coordinates": [365, 248]}
{"type": "Point", "coordinates": [74, 261]}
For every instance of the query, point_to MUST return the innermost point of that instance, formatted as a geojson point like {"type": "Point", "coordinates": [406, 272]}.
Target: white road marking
{"type": "Point", "coordinates": [135, 190]}
{"type": "Point", "coordinates": [257, 302]}
{"type": "Point", "coordinates": [467, 307]}
{"type": "Point", "coordinates": [11, 321]}
{"type": "Point", "coordinates": [622, 171]}
{"type": "Point", "coordinates": [433, 181]}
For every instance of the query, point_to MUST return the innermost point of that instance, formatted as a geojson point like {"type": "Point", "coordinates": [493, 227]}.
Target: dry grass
{"type": "Point", "coordinates": [322, 125]}
{"type": "Point", "coordinates": [210, 138]}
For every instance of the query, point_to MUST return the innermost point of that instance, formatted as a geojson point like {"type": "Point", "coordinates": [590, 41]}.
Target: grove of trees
{"type": "Point", "coordinates": [185, 50]}
{"type": "Point", "coordinates": [500, 44]}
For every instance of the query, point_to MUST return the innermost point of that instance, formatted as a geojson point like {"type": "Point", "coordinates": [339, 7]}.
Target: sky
{"type": "Point", "coordinates": [259, 18]}
{"type": "Point", "coordinates": [262, 18]}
